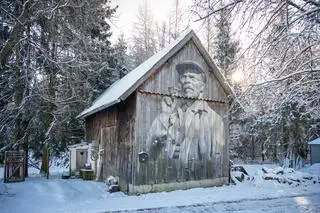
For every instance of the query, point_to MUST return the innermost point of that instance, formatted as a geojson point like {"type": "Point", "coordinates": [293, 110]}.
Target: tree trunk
{"type": "Point", "coordinates": [26, 154]}
{"type": "Point", "coordinates": [51, 71]}
{"type": "Point", "coordinates": [15, 35]}
{"type": "Point", "coordinates": [18, 95]}
{"type": "Point", "coordinates": [262, 152]}
{"type": "Point", "coordinates": [21, 124]}
{"type": "Point", "coordinates": [253, 148]}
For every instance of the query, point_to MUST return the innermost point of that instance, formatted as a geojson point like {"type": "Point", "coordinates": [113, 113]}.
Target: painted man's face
{"type": "Point", "coordinates": [192, 84]}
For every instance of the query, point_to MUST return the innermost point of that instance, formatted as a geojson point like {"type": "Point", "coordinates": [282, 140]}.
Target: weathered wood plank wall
{"type": "Point", "coordinates": [152, 123]}
{"type": "Point", "coordinates": [167, 77]}
{"type": "Point", "coordinates": [113, 128]}
{"type": "Point", "coordinates": [102, 119]}
{"type": "Point", "coordinates": [164, 170]}
{"type": "Point", "coordinates": [126, 136]}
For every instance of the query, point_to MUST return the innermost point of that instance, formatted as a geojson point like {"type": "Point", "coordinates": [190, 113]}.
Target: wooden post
{"type": "Point", "coordinates": [48, 160]}
{"type": "Point", "coordinates": [100, 157]}
{"type": "Point", "coordinates": [45, 160]}
{"type": "Point", "coordinates": [94, 155]}
{"type": "Point", "coordinates": [5, 169]}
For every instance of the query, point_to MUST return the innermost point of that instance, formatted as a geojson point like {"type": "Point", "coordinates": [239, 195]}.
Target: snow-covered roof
{"type": "Point", "coordinates": [316, 141]}
{"type": "Point", "coordinates": [122, 88]}
{"type": "Point", "coordinates": [82, 145]}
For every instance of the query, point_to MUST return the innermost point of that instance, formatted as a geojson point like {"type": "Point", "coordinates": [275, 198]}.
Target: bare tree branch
{"type": "Point", "coordinates": [285, 77]}
{"type": "Point", "coordinates": [296, 6]}
{"type": "Point", "coordinates": [315, 3]}
{"type": "Point", "coordinates": [217, 10]}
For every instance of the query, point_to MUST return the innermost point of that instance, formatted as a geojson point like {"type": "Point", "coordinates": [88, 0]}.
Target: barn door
{"type": "Point", "coordinates": [82, 157]}
{"type": "Point", "coordinates": [108, 157]}
{"type": "Point", "coordinates": [14, 166]}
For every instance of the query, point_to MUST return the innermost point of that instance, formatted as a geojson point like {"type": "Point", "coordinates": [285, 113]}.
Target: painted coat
{"type": "Point", "coordinates": [196, 134]}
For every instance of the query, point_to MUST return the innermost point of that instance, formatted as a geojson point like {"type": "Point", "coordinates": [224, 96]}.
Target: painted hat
{"type": "Point", "coordinates": [190, 66]}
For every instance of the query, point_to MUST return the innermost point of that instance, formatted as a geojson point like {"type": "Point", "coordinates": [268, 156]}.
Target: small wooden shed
{"type": "Point", "coordinates": [164, 126]}
{"type": "Point", "coordinates": [78, 156]}
{"type": "Point", "coordinates": [315, 151]}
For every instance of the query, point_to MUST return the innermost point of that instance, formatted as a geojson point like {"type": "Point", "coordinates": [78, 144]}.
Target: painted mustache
{"type": "Point", "coordinates": [188, 87]}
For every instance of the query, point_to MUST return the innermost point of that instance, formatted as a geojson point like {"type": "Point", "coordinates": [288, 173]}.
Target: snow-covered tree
{"type": "Point", "coordinates": [282, 71]}
{"type": "Point", "coordinates": [124, 64]}
{"type": "Point", "coordinates": [144, 38]}
{"type": "Point", "coordinates": [56, 58]}
{"type": "Point", "coordinates": [224, 47]}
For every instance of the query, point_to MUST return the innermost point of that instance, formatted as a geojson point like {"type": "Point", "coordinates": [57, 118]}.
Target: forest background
{"type": "Point", "coordinates": [56, 57]}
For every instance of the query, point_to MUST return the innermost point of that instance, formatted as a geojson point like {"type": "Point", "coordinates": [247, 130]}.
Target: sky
{"type": "Point", "coordinates": [161, 9]}
{"type": "Point", "coordinates": [128, 10]}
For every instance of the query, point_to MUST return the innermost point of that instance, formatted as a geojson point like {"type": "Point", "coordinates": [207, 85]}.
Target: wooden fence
{"type": "Point", "coordinates": [14, 163]}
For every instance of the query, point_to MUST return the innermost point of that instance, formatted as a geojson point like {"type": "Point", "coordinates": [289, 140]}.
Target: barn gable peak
{"type": "Point", "coordinates": [122, 88]}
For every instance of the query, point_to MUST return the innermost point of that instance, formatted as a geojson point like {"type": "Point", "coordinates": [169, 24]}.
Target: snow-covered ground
{"type": "Point", "coordinates": [38, 194]}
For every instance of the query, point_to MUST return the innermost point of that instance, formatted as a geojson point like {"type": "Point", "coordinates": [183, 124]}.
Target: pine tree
{"type": "Point", "coordinates": [63, 63]}
{"type": "Point", "coordinates": [224, 47]}
{"type": "Point", "coordinates": [144, 39]}
{"type": "Point", "coordinates": [124, 64]}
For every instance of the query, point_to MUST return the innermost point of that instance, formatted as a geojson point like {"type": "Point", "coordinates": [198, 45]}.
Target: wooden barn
{"type": "Point", "coordinates": [164, 126]}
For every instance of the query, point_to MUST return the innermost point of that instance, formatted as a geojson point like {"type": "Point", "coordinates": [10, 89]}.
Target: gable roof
{"type": "Point", "coordinates": [316, 141]}
{"type": "Point", "coordinates": [122, 88]}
